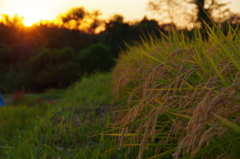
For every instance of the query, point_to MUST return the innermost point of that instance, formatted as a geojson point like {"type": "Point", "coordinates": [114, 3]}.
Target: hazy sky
{"type": "Point", "coordinates": [34, 10]}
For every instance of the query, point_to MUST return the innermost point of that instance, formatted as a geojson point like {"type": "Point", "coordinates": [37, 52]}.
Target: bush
{"type": "Point", "coordinates": [10, 80]}
{"type": "Point", "coordinates": [53, 67]}
{"type": "Point", "coordinates": [96, 58]}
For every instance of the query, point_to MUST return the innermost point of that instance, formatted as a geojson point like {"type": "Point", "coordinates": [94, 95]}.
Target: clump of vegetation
{"type": "Point", "coordinates": [65, 129]}
{"type": "Point", "coordinates": [181, 96]}
{"type": "Point", "coordinates": [96, 57]}
{"type": "Point", "coordinates": [52, 68]}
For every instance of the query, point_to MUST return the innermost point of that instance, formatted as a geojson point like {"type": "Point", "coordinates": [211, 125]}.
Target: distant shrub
{"type": "Point", "coordinates": [57, 68]}
{"type": "Point", "coordinates": [10, 79]}
{"type": "Point", "coordinates": [4, 54]}
{"type": "Point", "coordinates": [96, 57]}
{"type": "Point", "coordinates": [53, 67]}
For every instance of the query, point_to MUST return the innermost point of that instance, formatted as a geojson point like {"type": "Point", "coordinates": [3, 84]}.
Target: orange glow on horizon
{"type": "Point", "coordinates": [34, 11]}
{"type": "Point", "coordinates": [31, 11]}
{"type": "Point", "coordinates": [29, 20]}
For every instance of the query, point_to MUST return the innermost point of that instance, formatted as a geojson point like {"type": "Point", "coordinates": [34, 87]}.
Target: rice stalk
{"type": "Point", "coordinates": [171, 87]}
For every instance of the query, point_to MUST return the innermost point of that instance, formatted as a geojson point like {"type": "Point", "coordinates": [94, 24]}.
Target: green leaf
{"type": "Point", "coordinates": [228, 123]}
{"type": "Point", "coordinates": [153, 144]}
{"type": "Point", "coordinates": [163, 154]}
{"type": "Point", "coordinates": [181, 116]}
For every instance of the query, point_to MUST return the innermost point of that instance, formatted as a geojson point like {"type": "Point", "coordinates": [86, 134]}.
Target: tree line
{"type": "Point", "coordinates": [52, 55]}
{"type": "Point", "coordinates": [57, 54]}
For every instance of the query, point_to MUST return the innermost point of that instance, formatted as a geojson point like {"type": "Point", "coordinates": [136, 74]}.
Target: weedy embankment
{"type": "Point", "coordinates": [181, 96]}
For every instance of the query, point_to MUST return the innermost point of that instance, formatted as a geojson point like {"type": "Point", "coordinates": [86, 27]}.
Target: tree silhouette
{"type": "Point", "coordinates": [96, 22]}
{"type": "Point", "coordinates": [74, 14]}
{"type": "Point", "coordinates": [74, 17]}
{"type": "Point", "coordinates": [204, 10]}
{"type": "Point", "coordinates": [80, 19]}
{"type": "Point", "coordinates": [116, 32]}
{"type": "Point", "coordinates": [14, 21]}
{"type": "Point", "coordinates": [205, 14]}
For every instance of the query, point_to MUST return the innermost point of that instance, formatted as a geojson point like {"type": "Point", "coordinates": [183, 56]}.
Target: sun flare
{"type": "Point", "coordinates": [29, 19]}
{"type": "Point", "coordinates": [31, 14]}
{"type": "Point", "coordinates": [31, 11]}
{"type": "Point", "coordinates": [35, 10]}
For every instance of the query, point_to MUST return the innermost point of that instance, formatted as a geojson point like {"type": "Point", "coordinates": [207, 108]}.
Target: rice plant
{"type": "Point", "coordinates": [177, 95]}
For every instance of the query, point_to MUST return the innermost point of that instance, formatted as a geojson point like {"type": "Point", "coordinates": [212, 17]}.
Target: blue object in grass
{"type": "Point", "coordinates": [1, 101]}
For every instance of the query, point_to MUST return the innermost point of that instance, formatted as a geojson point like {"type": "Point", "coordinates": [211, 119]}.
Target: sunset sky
{"type": "Point", "coordinates": [35, 10]}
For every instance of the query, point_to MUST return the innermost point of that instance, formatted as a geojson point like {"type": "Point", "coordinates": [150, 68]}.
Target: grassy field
{"type": "Point", "coordinates": [166, 98]}
{"type": "Point", "coordinates": [66, 128]}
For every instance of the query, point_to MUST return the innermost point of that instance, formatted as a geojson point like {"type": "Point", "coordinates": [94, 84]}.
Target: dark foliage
{"type": "Point", "coordinates": [52, 68]}
{"type": "Point", "coordinates": [117, 32]}
{"type": "Point", "coordinates": [96, 57]}
{"type": "Point", "coordinates": [48, 55]}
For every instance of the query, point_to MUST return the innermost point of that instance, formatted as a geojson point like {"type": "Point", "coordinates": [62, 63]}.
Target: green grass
{"type": "Point", "coordinates": [14, 119]}
{"type": "Point", "coordinates": [67, 129]}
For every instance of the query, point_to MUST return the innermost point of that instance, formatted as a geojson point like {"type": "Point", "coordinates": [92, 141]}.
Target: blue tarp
{"type": "Point", "coordinates": [1, 101]}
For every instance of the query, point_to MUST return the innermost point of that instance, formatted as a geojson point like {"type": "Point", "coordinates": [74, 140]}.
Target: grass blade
{"type": "Point", "coordinates": [228, 123]}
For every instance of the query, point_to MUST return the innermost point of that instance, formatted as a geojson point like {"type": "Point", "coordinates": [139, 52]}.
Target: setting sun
{"type": "Point", "coordinates": [30, 17]}
{"type": "Point", "coordinates": [33, 11]}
